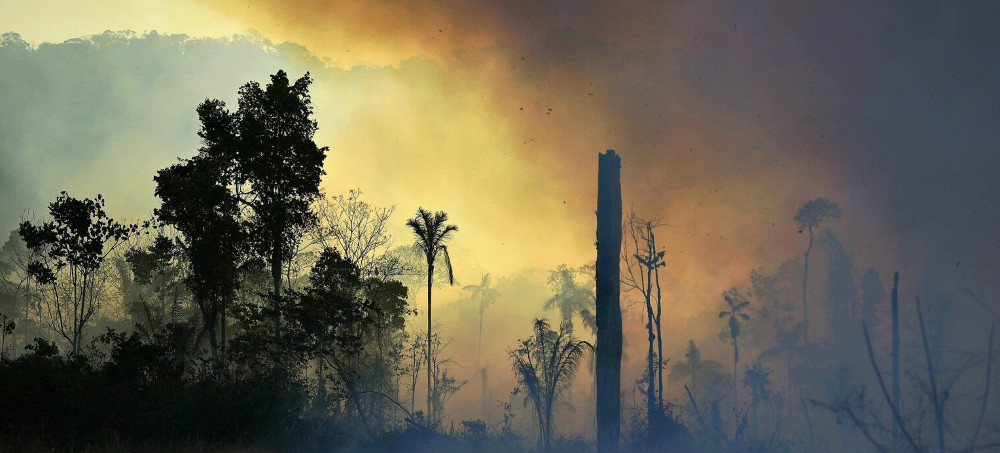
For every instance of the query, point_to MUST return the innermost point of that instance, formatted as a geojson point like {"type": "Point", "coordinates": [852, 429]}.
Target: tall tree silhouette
{"type": "Point", "coordinates": [486, 295]}
{"type": "Point", "coordinates": [431, 233]}
{"type": "Point", "coordinates": [268, 158]}
{"type": "Point", "coordinates": [736, 303]}
{"type": "Point", "coordinates": [279, 162]}
{"type": "Point", "coordinates": [69, 250]}
{"type": "Point", "coordinates": [197, 202]}
{"type": "Point", "coordinates": [810, 216]}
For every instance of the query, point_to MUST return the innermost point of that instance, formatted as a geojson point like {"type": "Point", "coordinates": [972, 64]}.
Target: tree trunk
{"type": "Point", "coordinates": [659, 334]}
{"type": "Point", "coordinates": [895, 353]}
{"type": "Point", "coordinates": [430, 368]}
{"type": "Point", "coordinates": [805, 283]}
{"type": "Point", "coordinates": [276, 278]}
{"type": "Point", "coordinates": [222, 329]}
{"type": "Point", "coordinates": [736, 379]}
{"type": "Point", "coordinates": [650, 337]}
{"type": "Point", "coordinates": [650, 376]}
{"type": "Point", "coordinates": [479, 362]}
{"type": "Point", "coordinates": [608, 302]}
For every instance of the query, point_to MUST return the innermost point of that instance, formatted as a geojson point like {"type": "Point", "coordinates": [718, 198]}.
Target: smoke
{"type": "Point", "coordinates": [728, 116]}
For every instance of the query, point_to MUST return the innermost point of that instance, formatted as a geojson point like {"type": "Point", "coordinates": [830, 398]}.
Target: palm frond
{"type": "Point", "coordinates": [447, 264]}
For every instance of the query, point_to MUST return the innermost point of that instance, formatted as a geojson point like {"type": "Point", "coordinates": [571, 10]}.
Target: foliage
{"type": "Point", "coordinates": [571, 296]}
{"type": "Point", "coordinates": [69, 250]}
{"type": "Point", "coordinates": [431, 234]}
{"type": "Point", "coordinates": [544, 365]}
{"type": "Point", "coordinates": [137, 393]}
{"type": "Point", "coordinates": [814, 212]}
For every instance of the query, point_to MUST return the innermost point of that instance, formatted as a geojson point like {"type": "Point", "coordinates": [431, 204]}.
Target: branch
{"type": "Point", "coordinates": [938, 415]}
{"type": "Point", "coordinates": [986, 393]}
{"type": "Point", "coordinates": [885, 393]}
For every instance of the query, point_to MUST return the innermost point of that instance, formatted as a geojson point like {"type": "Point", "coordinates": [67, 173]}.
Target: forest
{"type": "Point", "coordinates": [255, 312]}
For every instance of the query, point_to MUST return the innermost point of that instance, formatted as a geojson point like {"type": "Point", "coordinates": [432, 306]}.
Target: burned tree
{"type": "Point", "coordinates": [643, 261]}
{"type": "Point", "coordinates": [609, 313]}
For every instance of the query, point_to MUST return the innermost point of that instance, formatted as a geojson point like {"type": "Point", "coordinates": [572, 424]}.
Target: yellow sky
{"type": "Point", "coordinates": [58, 20]}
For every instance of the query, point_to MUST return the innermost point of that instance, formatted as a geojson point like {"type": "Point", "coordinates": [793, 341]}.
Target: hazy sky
{"type": "Point", "coordinates": [728, 115]}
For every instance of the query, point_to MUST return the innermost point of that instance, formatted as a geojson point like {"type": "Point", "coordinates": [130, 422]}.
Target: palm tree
{"type": "Point", "coordinates": [736, 303]}
{"type": "Point", "coordinates": [544, 365]}
{"type": "Point", "coordinates": [486, 296]}
{"type": "Point", "coordinates": [810, 216]}
{"type": "Point", "coordinates": [431, 233]}
{"type": "Point", "coordinates": [570, 298]}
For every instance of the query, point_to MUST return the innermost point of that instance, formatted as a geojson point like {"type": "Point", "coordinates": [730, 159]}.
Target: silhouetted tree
{"type": "Point", "coordinates": [196, 201]}
{"type": "Point", "coordinates": [642, 270]}
{"type": "Point", "coordinates": [736, 303]}
{"type": "Point", "coordinates": [445, 386]}
{"type": "Point", "coordinates": [544, 365]}
{"type": "Point", "coordinates": [327, 321]}
{"type": "Point", "coordinates": [757, 378]}
{"type": "Point", "coordinates": [7, 327]}
{"type": "Point", "coordinates": [266, 154]}
{"type": "Point", "coordinates": [431, 233]}
{"type": "Point", "coordinates": [486, 295]}
{"type": "Point", "coordinates": [415, 355]}
{"type": "Point", "coordinates": [70, 250]}
{"type": "Point", "coordinates": [810, 216]}
{"type": "Point", "coordinates": [278, 164]}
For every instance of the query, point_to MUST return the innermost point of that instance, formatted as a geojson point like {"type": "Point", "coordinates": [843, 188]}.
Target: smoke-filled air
{"type": "Point", "coordinates": [499, 226]}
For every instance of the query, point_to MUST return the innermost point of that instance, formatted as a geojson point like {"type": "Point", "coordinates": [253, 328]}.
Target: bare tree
{"type": "Point", "coordinates": [642, 273]}
{"type": "Point", "coordinates": [358, 229]}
